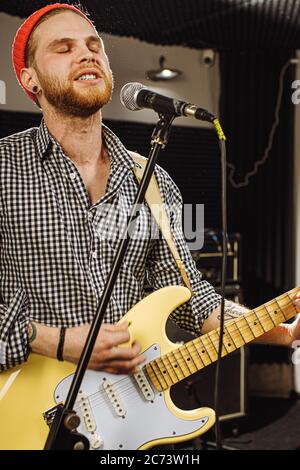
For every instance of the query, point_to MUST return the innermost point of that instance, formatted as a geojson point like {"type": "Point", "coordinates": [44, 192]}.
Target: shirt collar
{"type": "Point", "coordinates": [42, 140]}
{"type": "Point", "coordinates": [118, 152]}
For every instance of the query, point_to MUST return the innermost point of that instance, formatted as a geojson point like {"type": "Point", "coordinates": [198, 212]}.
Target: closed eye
{"type": "Point", "coordinates": [94, 48]}
{"type": "Point", "coordinates": [64, 45]}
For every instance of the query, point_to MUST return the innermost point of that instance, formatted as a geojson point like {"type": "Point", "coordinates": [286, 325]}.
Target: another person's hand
{"type": "Point", "coordinates": [294, 327]}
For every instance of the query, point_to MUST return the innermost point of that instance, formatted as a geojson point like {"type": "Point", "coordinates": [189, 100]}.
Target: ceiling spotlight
{"type": "Point", "coordinates": [163, 73]}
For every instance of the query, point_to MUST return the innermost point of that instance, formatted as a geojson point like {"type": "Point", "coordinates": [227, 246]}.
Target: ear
{"type": "Point", "coordinates": [29, 79]}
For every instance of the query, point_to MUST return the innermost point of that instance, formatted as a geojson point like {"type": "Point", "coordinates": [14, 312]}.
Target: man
{"type": "Point", "coordinates": [55, 181]}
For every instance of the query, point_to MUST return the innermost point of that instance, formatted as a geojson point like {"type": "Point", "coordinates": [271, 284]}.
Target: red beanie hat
{"type": "Point", "coordinates": [23, 33]}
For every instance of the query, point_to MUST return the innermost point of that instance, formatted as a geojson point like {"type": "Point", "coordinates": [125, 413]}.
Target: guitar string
{"type": "Point", "coordinates": [236, 329]}
{"type": "Point", "coordinates": [122, 392]}
{"type": "Point", "coordinates": [209, 349]}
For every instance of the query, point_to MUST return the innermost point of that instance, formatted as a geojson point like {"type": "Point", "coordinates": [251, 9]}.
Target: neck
{"type": "Point", "coordinates": [80, 137]}
{"type": "Point", "coordinates": [183, 361]}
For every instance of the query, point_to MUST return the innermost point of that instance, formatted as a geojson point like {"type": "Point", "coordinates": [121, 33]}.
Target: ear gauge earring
{"type": "Point", "coordinates": [35, 89]}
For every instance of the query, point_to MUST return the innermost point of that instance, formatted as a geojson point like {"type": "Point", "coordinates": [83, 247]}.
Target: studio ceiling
{"type": "Point", "coordinates": [223, 24]}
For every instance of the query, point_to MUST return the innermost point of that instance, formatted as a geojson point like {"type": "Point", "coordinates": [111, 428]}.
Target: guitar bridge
{"type": "Point", "coordinates": [49, 415]}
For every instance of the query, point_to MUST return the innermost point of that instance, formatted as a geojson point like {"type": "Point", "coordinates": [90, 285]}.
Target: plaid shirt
{"type": "Point", "coordinates": [56, 250]}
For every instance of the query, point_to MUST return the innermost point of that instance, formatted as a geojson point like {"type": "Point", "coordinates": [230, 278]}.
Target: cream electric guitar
{"type": "Point", "coordinates": [129, 412]}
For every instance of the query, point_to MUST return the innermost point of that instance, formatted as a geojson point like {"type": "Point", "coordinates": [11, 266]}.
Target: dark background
{"type": "Point", "coordinates": [254, 40]}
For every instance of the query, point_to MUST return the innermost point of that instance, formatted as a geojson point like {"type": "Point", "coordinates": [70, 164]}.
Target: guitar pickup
{"type": "Point", "coordinates": [86, 411]}
{"type": "Point", "coordinates": [113, 398]}
{"type": "Point", "coordinates": [144, 385]}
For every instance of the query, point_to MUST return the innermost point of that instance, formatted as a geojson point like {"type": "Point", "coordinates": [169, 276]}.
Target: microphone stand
{"type": "Point", "coordinates": [63, 434]}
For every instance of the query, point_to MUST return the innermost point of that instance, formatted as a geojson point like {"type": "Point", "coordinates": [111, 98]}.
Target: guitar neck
{"type": "Point", "coordinates": [193, 356]}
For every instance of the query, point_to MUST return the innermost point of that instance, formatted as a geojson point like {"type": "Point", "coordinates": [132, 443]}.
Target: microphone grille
{"type": "Point", "coordinates": [128, 95]}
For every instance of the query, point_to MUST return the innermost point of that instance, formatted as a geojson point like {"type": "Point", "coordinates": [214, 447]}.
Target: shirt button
{"type": "Point", "coordinates": [94, 254]}
{"type": "Point", "coordinates": [90, 215]}
{"type": "Point", "coordinates": [73, 176]}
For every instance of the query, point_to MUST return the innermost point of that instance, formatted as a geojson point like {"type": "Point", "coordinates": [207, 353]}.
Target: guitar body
{"type": "Point", "coordinates": [116, 411]}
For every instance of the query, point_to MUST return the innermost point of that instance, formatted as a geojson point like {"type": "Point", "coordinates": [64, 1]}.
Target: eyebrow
{"type": "Point", "coordinates": [57, 42]}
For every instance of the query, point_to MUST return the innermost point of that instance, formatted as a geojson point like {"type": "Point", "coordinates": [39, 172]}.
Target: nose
{"type": "Point", "coordinates": [85, 54]}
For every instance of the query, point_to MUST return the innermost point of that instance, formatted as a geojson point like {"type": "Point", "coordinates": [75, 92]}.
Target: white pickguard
{"type": "Point", "coordinates": [143, 420]}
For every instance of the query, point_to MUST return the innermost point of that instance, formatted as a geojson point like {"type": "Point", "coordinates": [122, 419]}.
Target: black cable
{"type": "Point", "coordinates": [223, 281]}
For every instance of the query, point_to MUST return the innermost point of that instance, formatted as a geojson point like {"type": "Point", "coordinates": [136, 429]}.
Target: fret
{"type": "Point", "coordinates": [178, 364]}
{"type": "Point", "coordinates": [211, 354]}
{"type": "Point", "coordinates": [261, 324]}
{"type": "Point", "coordinates": [182, 362]}
{"type": "Point", "coordinates": [152, 378]}
{"type": "Point", "coordinates": [236, 323]}
{"type": "Point", "coordinates": [244, 325]}
{"type": "Point", "coordinates": [190, 356]}
{"type": "Point", "coordinates": [204, 356]}
{"type": "Point", "coordinates": [226, 331]}
{"type": "Point", "coordinates": [281, 310]}
{"type": "Point", "coordinates": [270, 316]}
{"type": "Point", "coordinates": [211, 342]}
{"type": "Point", "coordinates": [217, 332]}
{"type": "Point", "coordinates": [159, 375]}
{"type": "Point", "coordinates": [275, 312]}
{"type": "Point", "coordinates": [225, 343]}
{"type": "Point", "coordinates": [172, 367]}
{"type": "Point", "coordinates": [197, 352]}
{"type": "Point", "coordinates": [186, 359]}
{"type": "Point", "coordinates": [152, 374]}
{"type": "Point", "coordinates": [291, 300]}
{"type": "Point", "coordinates": [229, 343]}
{"type": "Point", "coordinates": [289, 309]}
{"type": "Point", "coordinates": [256, 329]}
{"type": "Point", "coordinates": [236, 331]}
{"type": "Point", "coordinates": [165, 372]}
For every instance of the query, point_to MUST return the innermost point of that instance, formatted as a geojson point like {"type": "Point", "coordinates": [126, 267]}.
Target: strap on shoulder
{"type": "Point", "coordinates": [154, 201]}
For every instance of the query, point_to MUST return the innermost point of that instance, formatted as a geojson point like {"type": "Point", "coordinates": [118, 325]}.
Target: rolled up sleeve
{"type": "Point", "coordinates": [14, 346]}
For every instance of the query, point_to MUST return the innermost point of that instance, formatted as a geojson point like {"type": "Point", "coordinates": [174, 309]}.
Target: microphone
{"type": "Point", "coordinates": [135, 96]}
